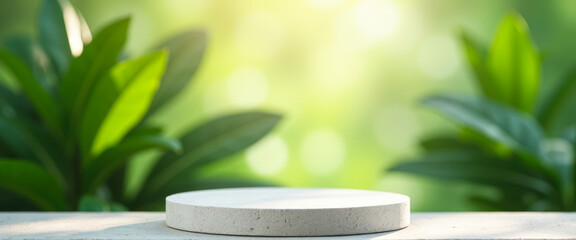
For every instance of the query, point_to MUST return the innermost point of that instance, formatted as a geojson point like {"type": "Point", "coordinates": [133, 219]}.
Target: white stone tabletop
{"type": "Point", "coordinates": [151, 225]}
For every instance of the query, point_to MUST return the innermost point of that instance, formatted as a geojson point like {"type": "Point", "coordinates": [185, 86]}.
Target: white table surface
{"type": "Point", "coordinates": [151, 225]}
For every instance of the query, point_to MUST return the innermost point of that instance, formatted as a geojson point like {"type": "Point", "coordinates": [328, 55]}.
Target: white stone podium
{"type": "Point", "coordinates": [287, 212]}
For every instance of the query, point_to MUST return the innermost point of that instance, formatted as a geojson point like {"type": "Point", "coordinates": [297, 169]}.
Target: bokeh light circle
{"type": "Point", "coordinates": [247, 87]}
{"type": "Point", "coordinates": [439, 57]}
{"type": "Point", "coordinates": [397, 128]}
{"type": "Point", "coordinates": [267, 157]}
{"type": "Point", "coordinates": [323, 152]}
{"type": "Point", "coordinates": [377, 19]}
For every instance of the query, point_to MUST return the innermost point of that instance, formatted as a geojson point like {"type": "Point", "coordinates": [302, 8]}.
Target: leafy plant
{"type": "Point", "coordinates": [505, 142]}
{"type": "Point", "coordinates": [72, 115]}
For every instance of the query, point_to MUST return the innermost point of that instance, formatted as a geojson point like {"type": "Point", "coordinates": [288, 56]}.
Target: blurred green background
{"type": "Point", "coordinates": [347, 75]}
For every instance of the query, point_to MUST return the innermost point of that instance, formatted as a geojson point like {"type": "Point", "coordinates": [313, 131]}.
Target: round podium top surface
{"type": "Point", "coordinates": [287, 198]}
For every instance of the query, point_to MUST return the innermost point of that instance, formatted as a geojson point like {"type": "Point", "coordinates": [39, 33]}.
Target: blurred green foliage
{"type": "Point", "coordinates": [504, 141]}
{"type": "Point", "coordinates": [348, 73]}
{"type": "Point", "coordinates": [74, 109]}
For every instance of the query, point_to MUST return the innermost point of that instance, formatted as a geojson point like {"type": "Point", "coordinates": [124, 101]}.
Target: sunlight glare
{"type": "Point", "coordinates": [324, 4]}
{"type": "Point", "coordinates": [377, 19]}
{"type": "Point", "coordinates": [73, 29]}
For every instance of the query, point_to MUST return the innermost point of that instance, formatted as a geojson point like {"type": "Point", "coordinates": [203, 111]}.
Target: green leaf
{"type": "Point", "coordinates": [94, 63]}
{"type": "Point", "coordinates": [39, 97]}
{"type": "Point", "coordinates": [212, 141]}
{"type": "Point", "coordinates": [113, 158]}
{"type": "Point", "coordinates": [558, 102]}
{"type": "Point", "coordinates": [475, 168]}
{"type": "Point", "coordinates": [560, 153]}
{"type": "Point", "coordinates": [506, 201]}
{"type": "Point", "coordinates": [63, 32]}
{"type": "Point", "coordinates": [502, 124]}
{"type": "Point", "coordinates": [186, 52]}
{"type": "Point", "coordinates": [27, 140]}
{"type": "Point", "coordinates": [11, 201]}
{"type": "Point", "coordinates": [514, 65]}
{"type": "Point", "coordinates": [447, 142]}
{"type": "Point", "coordinates": [32, 182]}
{"type": "Point", "coordinates": [476, 56]}
{"type": "Point", "coordinates": [15, 102]}
{"type": "Point", "coordinates": [119, 101]}
{"type": "Point", "coordinates": [34, 57]}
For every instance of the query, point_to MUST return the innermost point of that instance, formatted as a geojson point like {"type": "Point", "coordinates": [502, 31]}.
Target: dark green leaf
{"type": "Point", "coordinates": [113, 158]}
{"type": "Point", "coordinates": [34, 56]}
{"type": "Point", "coordinates": [10, 201]}
{"type": "Point", "coordinates": [117, 207]}
{"type": "Point", "coordinates": [473, 167]}
{"type": "Point", "coordinates": [500, 123]}
{"type": "Point", "coordinates": [514, 65]}
{"type": "Point", "coordinates": [213, 141]}
{"type": "Point", "coordinates": [28, 140]}
{"type": "Point", "coordinates": [32, 182]}
{"type": "Point", "coordinates": [508, 201]}
{"type": "Point", "coordinates": [15, 102]}
{"type": "Point", "coordinates": [186, 52]}
{"type": "Point", "coordinates": [119, 101]}
{"type": "Point", "coordinates": [560, 153]}
{"type": "Point", "coordinates": [39, 97]}
{"type": "Point", "coordinates": [447, 142]}
{"type": "Point", "coordinates": [63, 32]}
{"type": "Point", "coordinates": [94, 63]}
{"type": "Point", "coordinates": [476, 56]}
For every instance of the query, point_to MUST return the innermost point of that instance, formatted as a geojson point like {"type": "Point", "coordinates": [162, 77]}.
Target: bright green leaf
{"type": "Point", "coordinates": [186, 52]}
{"type": "Point", "coordinates": [476, 56]}
{"type": "Point", "coordinates": [94, 63]}
{"type": "Point", "coordinates": [119, 101]}
{"type": "Point", "coordinates": [514, 65]}
{"type": "Point", "coordinates": [63, 32]}
{"type": "Point", "coordinates": [32, 182]}
{"type": "Point", "coordinates": [41, 100]}
{"type": "Point", "coordinates": [213, 141]}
